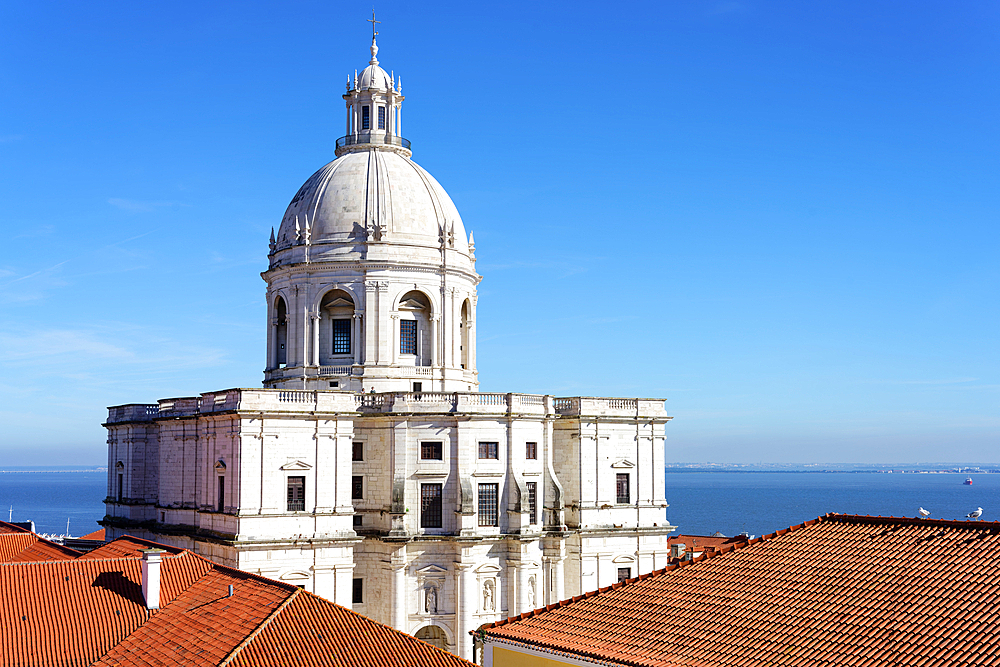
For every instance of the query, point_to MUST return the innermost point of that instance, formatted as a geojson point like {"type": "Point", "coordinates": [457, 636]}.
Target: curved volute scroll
{"type": "Point", "coordinates": [374, 102]}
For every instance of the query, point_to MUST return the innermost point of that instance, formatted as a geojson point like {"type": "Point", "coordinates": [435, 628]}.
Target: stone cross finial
{"type": "Point", "coordinates": [374, 60]}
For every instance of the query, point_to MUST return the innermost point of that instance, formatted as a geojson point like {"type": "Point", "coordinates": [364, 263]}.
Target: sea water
{"type": "Point", "coordinates": [701, 503]}
{"type": "Point", "coordinates": [50, 499]}
{"type": "Point", "coordinates": [758, 503]}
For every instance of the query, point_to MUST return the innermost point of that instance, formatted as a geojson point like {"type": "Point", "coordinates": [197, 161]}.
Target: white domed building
{"type": "Point", "coordinates": [372, 280]}
{"type": "Point", "coordinates": [370, 469]}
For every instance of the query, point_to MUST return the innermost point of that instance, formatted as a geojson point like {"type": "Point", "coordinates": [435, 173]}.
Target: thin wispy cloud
{"type": "Point", "coordinates": [10, 138]}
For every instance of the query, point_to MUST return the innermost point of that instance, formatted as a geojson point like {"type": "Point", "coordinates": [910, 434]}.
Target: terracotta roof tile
{"type": "Point", "coordinates": [320, 633]}
{"type": "Point", "coordinates": [202, 625]}
{"type": "Point", "coordinates": [840, 590]}
{"type": "Point", "coordinates": [96, 535]}
{"type": "Point", "coordinates": [25, 546]}
{"type": "Point", "coordinates": [90, 610]}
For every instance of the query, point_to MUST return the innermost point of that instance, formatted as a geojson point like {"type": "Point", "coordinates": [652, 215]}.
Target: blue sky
{"type": "Point", "coordinates": [780, 216]}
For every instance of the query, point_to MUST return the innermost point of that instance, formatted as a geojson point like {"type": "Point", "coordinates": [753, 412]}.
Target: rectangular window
{"type": "Point", "coordinates": [532, 502]}
{"type": "Point", "coordinates": [531, 450]}
{"type": "Point", "coordinates": [357, 487]}
{"type": "Point", "coordinates": [431, 451]}
{"type": "Point", "coordinates": [430, 505]}
{"type": "Point", "coordinates": [221, 505]}
{"type": "Point", "coordinates": [407, 336]}
{"type": "Point", "coordinates": [358, 520]}
{"type": "Point", "coordinates": [621, 489]}
{"type": "Point", "coordinates": [624, 573]}
{"type": "Point", "coordinates": [357, 591]}
{"type": "Point", "coordinates": [381, 118]}
{"type": "Point", "coordinates": [488, 450]}
{"type": "Point", "coordinates": [358, 451]}
{"type": "Point", "coordinates": [341, 336]}
{"type": "Point", "coordinates": [296, 494]}
{"type": "Point", "coordinates": [488, 494]}
{"type": "Point", "coordinates": [366, 119]}
{"type": "Point", "coordinates": [121, 486]}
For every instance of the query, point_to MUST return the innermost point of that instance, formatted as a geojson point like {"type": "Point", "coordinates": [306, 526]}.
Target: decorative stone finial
{"type": "Point", "coordinates": [272, 244]}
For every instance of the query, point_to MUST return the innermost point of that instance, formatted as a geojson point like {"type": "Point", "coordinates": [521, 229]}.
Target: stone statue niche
{"type": "Point", "coordinates": [431, 600]}
{"type": "Point", "coordinates": [489, 596]}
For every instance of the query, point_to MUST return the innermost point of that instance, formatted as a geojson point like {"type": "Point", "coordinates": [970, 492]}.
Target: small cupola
{"type": "Point", "coordinates": [374, 100]}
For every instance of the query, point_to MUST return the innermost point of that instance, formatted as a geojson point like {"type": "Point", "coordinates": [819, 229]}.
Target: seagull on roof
{"type": "Point", "coordinates": [924, 513]}
{"type": "Point", "coordinates": [975, 515]}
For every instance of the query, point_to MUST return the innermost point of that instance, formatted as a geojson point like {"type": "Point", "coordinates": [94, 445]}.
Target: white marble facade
{"type": "Point", "coordinates": [370, 469]}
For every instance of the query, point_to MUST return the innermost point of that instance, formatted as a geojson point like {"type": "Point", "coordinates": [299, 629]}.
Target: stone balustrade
{"type": "Point", "coordinates": [292, 400]}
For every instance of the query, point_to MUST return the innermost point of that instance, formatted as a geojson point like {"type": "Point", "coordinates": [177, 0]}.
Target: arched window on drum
{"type": "Point", "coordinates": [464, 325]}
{"type": "Point", "coordinates": [280, 332]}
{"type": "Point", "coordinates": [414, 329]}
{"type": "Point", "coordinates": [336, 329]}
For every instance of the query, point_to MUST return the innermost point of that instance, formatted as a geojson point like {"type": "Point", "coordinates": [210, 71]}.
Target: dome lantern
{"type": "Point", "coordinates": [374, 103]}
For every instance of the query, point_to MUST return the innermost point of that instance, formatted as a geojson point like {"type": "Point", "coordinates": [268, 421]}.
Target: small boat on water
{"type": "Point", "coordinates": [968, 481]}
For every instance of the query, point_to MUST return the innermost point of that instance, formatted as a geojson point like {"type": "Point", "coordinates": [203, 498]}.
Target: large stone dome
{"type": "Point", "coordinates": [373, 192]}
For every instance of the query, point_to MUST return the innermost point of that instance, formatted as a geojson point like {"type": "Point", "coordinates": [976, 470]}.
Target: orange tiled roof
{"type": "Point", "coordinates": [96, 535]}
{"type": "Point", "coordinates": [90, 610]}
{"type": "Point", "coordinates": [20, 545]}
{"type": "Point", "coordinates": [839, 590]}
{"type": "Point", "coordinates": [322, 633]}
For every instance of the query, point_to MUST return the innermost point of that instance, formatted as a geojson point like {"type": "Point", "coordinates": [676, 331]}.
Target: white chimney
{"type": "Point", "coordinates": [151, 559]}
{"type": "Point", "coordinates": [677, 550]}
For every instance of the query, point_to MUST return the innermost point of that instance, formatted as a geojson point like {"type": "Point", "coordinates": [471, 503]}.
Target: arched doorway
{"type": "Point", "coordinates": [432, 634]}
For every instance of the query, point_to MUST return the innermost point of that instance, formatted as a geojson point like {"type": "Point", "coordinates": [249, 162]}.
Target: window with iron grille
{"type": "Point", "coordinates": [488, 515]}
{"type": "Point", "coordinates": [296, 494]}
{"type": "Point", "coordinates": [621, 488]}
{"type": "Point", "coordinates": [358, 451]}
{"type": "Point", "coordinates": [407, 336]}
{"type": "Point", "coordinates": [532, 502]}
{"type": "Point", "coordinates": [624, 573]}
{"type": "Point", "coordinates": [357, 487]}
{"type": "Point", "coordinates": [381, 118]}
{"type": "Point", "coordinates": [531, 450]}
{"type": "Point", "coordinates": [221, 505]}
{"type": "Point", "coordinates": [430, 505]}
{"type": "Point", "coordinates": [431, 451]}
{"type": "Point", "coordinates": [357, 591]}
{"type": "Point", "coordinates": [341, 336]}
{"type": "Point", "coordinates": [366, 122]}
{"type": "Point", "coordinates": [488, 450]}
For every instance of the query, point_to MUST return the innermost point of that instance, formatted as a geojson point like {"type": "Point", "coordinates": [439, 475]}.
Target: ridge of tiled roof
{"type": "Point", "coordinates": [128, 546]}
{"type": "Point", "coordinates": [96, 535]}
{"type": "Point", "coordinates": [583, 640]}
{"type": "Point", "coordinates": [11, 528]}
